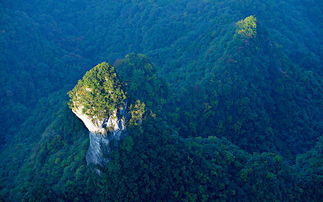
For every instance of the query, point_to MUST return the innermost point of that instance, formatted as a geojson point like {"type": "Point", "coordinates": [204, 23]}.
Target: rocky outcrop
{"type": "Point", "coordinates": [99, 100]}
{"type": "Point", "coordinates": [93, 124]}
{"type": "Point", "coordinates": [103, 132]}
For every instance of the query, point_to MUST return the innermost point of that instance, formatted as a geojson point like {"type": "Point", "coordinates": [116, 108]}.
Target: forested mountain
{"type": "Point", "coordinates": [231, 90]}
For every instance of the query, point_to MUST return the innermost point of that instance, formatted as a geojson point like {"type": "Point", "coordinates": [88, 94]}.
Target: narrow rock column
{"type": "Point", "coordinates": [102, 133]}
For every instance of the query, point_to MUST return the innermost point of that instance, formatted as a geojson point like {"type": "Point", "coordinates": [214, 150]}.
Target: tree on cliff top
{"type": "Point", "coordinates": [98, 93]}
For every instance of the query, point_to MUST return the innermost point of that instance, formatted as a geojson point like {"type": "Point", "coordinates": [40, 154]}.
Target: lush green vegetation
{"type": "Point", "coordinates": [137, 111]}
{"type": "Point", "coordinates": [142, 82]}
{"type": "Point", "coordinates": [229, 93]}
{"type": "Point", "coordinates": [247, 27]}
{"type": "Point", "coordinates": [99, 93]}
{"type": "Point", "coordinates": [255, 96]}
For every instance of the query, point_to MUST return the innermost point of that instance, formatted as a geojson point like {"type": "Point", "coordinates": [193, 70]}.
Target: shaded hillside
{"type": "Point", "coordinates": [256, 96]}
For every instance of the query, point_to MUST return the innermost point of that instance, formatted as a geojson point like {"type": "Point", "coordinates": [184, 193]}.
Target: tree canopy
{"type": "Point", "coordinates": [247, 27]}
{"type": "Point", "coordinates": [99, 92]}
{"type": "Point", "coordinates": [230, 105]}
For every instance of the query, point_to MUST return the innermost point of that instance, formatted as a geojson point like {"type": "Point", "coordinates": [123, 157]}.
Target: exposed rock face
{"type": "Point", "coordinates": [99, 100]}
{"type": "Point", "coordinates": [102, 133]}
{"type": "Point", "coordinates": [94, 125]}
{"type": "Point", "coordinates": [100, 147]}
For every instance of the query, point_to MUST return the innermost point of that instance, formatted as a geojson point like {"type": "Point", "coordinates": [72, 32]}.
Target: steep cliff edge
{"type": "Point", "coordinates": [99, 101]}
{"type": "Point", "coordinates": [100, 144]}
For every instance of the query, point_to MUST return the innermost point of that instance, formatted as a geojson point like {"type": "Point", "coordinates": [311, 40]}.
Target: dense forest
{"type": "Point", "coordinates": [224, 99]}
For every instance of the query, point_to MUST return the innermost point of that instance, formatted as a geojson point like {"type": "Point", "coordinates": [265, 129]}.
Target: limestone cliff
{"type": "Point", "coordinates": [99, 101]}
{"type": "Point", "coordinates": [102, 134]}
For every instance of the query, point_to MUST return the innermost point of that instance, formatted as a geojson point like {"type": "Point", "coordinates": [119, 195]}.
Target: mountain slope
{"type": "Point", "coordinates": [216, 98]}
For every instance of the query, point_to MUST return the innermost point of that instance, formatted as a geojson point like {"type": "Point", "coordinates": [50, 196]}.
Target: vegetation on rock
{"type": "Point", "coordinates": [98, 93]}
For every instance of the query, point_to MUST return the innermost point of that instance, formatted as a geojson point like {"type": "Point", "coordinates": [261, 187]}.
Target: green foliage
{"type": "Point", "coordinates": [198, 169]}
{"type": "Point", "coordinates": [137, 111]}
{"type": "Point", "coordinates": [247, 27]}
{"type": "Point", "coordinates": [98, 93]}
{"type": "Point", "coordinates": [142, 81]}
{"type": "Point", "coordinates": [310, 166]}
{"type": "Point", "coordinates": [250, 99]}
{"type": "Point", "coordinates": [264, 95]}
{"type": "Point", "coordinates": [127, 143]}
